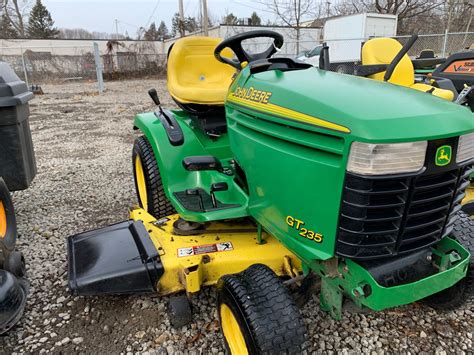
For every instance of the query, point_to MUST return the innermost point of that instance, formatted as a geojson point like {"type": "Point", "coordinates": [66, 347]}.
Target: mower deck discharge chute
{"type": "Point", "coordinates": [290, 173]}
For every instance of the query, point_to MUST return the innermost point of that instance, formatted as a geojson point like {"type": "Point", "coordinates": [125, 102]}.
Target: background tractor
{"type": "Point", "coordinates": [17, 170]}
{"type": "Point", "coordinates": [273, 172]}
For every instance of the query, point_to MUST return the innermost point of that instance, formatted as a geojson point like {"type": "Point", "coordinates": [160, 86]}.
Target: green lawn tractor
{"type": "Point", "coordinates": [273, 173]}
{"type": "Point", "coordinates": [17, 170]}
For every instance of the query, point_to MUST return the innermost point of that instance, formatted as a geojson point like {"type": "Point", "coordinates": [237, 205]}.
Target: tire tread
{"type": "Point", "coordinates": [158, 204]}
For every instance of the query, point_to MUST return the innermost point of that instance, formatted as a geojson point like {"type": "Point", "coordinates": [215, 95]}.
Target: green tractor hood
{"type": "Point", "coordinates": [370, 110]}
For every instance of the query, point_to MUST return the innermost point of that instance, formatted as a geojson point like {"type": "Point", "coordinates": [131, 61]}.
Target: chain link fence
{"type": "Point", "coordinates": [38, 64]}
{"type": "Point", "coordinates": [58, 63]}
{"type": "Point", "coordinates": [71, 60]}
{"type": "Point", "coordinates": [442, 45]}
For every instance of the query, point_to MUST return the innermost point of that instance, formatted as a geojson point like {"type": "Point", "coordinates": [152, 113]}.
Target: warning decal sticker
{"type": "Point", "coordinates": [205, 249]}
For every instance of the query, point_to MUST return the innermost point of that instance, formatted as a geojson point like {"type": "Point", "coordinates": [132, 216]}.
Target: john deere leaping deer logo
{"type": "Point", "coordinates": [443, 155]}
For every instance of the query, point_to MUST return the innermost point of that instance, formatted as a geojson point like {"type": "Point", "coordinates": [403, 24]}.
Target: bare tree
{"type": "Point", "coordinates": [292, 13]}
{"type": "Point", "coordinates": [457, 15]}
{"type": "Point", "coordinates": [16, 12]}
{"type": "Point", "coordinates": [413, 15]}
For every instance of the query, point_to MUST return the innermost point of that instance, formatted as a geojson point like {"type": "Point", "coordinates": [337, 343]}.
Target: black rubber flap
{"type": "Point", "coordinates": [118, 259]}
{"type": "Point", "coordinates": [13, 91]}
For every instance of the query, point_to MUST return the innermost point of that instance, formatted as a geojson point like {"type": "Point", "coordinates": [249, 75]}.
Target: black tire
{"type": "Point", "coordinates": [157, 203]}
{"type": "Point", "coordinates": [8, 232]}
{"type": "Point", "coordinates": [463, 291]}
{"type": "Point", "coordinates": [179, 311]}
{"type": "Point", "coordinates": [468, 208]}
{"type": "Point", "coordinates": [15, 263]}
{"type": "Point", "coordinates": [257, 303]}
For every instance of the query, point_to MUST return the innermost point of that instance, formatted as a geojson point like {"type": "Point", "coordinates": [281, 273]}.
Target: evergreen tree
{"type": "Point", "coordinates": [151, 34]}
{"type": "Point", "coordinates": [190, 25]}
{"type": "Point", "coordinates": [175, 22]}
{"type": "Point", "coordinates": [40, 24]}
{"type": "Point", "coordinates": [6, 28]}
{"type": "Point", "coordinates": [162, 31]}
{"type": "Point", "coordinates": [255, 20]}
{"type": "Point", "coordinates": [230, 19]}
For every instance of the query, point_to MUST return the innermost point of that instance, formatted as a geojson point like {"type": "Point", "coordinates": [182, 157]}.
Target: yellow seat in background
{"type": "Point", "coordinates": [195, 76]}
{"type": "Point", "coordinates": [383, 51]}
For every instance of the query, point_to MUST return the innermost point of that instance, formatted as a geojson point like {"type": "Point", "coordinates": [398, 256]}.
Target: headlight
{"type": "Point", "coordinates": [378, 159]}
{"type": "Point", "coordinates": [465, 148]}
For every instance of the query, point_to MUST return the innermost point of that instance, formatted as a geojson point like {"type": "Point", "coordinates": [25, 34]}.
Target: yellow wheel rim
{"type": "Point", "coordinates": [3, 221]}
{"type": "Point", "coordinates": [232, 333]}
{"type": "Point", "coordinates": [141, 184]}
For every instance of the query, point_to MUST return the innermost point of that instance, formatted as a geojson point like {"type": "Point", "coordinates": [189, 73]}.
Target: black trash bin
{"type": "Point", "coordinates": [17, 158]}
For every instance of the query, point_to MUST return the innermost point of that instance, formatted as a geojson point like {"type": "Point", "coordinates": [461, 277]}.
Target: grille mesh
{"type": "Point", "coordinates": [388, 216]}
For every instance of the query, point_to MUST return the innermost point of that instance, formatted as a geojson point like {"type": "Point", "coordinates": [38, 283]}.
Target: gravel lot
{"type": "Point", "coordinates": [83, 146]}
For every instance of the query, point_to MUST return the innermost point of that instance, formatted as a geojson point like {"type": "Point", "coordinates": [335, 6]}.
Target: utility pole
{"type": "Point", "coordinates": [181, 19]}
{"type": "Point", "coordinates": [206, 20]}
{"type": "Point", "coordinates": [116, 29]}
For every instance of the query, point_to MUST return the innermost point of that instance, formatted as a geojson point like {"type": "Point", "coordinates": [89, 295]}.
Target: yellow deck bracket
{"type": "Point", "coordinates": [192, 277]}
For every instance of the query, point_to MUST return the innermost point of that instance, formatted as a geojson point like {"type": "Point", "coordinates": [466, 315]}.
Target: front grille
{"type": "Point", "coordinates": [390, 215]}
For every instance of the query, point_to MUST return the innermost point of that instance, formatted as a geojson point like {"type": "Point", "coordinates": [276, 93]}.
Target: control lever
{"type": "Point", "coordinates": [218, 186]}
{"type": "Point", "coordinates": [196, 192]}
{"type": "Point", "coordinates": [464, 94]}
{"type": "Point", "coordinates": [154, 96]}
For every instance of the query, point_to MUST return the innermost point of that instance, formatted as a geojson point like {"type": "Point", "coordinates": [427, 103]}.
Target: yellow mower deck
{"type": "Point", "coordinates": [191, 262]}
{"type": "Point", "coordinates": [469, 194]}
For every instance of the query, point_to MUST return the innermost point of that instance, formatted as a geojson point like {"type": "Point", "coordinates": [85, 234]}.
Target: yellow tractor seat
{"type": "Point", "coordinates": [383, 51]}
{"type": "Point", "coordinates": [195, 76]}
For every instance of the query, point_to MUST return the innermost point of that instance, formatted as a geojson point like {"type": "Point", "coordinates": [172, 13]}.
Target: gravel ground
{"type": "Point", "coordinates": [83, 146]}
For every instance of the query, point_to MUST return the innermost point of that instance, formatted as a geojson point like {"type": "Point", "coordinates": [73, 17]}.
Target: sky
{"type": "Point", "coordinates": [100, 15]}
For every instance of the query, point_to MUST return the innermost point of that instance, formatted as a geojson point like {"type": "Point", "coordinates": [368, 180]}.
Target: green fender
{"type": "Point", "coordinates": [175, 178]}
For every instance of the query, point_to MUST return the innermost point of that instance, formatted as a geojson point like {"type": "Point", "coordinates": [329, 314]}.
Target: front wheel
{"type": "Point", "coordinates": [148, 183]}
{"type": "Point", "coordinates": [257, 314]}
{"type": "Point", "coordinates": [463, 291]}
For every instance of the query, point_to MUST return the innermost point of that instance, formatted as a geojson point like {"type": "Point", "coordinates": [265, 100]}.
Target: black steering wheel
{"type": "Point", "coordinates": [235, 43]}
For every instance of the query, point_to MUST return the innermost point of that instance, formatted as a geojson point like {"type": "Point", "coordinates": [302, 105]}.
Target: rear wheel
{"type": "Point", "coordinates": [148, 183]}
{"type": "Point", "coordinates": [463, 291]}
{"type": "Point", "coordinates": [7, 223]}
{"type": "Point", "coordinates": [258, 315]}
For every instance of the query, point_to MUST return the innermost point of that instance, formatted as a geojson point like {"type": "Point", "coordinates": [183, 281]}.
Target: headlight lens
{"type": "Point", "coordinates": [378, 159]}
{"type": "Point", "coordinates": [465, 148]}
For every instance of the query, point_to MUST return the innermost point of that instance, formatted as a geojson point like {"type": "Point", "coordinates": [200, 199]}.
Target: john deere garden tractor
{"type": "Point", "coordinates": [273, 172]}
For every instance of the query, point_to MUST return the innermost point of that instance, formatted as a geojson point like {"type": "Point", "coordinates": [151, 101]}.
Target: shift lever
{"type": "Point", "coordinates": [218, 186]}
{"type": "Point", "coordinates": [154, 96]}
